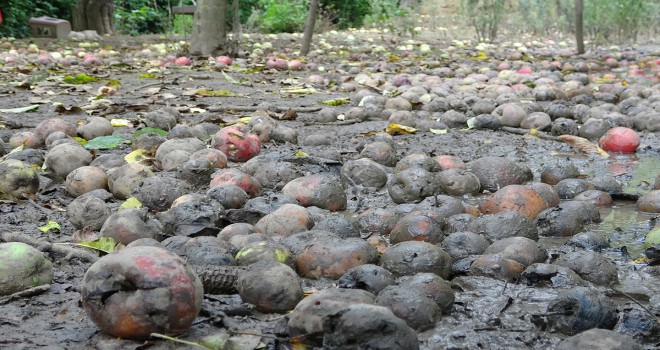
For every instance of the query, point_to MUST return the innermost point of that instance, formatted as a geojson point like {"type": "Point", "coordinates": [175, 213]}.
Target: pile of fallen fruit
{"type": "Point", "coordinates": [369, 196]}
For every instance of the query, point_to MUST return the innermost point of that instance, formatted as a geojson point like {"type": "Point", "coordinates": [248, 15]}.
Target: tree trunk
{"type": "Point", "coordinates": [209, 35]}
{"type": "Point", "coordinates": [236, 22]}
{"type": "Point", "coordinates": [94, 15]}
{"type": "Point", "coordinates": [309, 27]}
{"type": "Point", "coordinates": [579, 34]}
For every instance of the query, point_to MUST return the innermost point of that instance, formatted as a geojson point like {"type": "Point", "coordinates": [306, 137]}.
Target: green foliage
{"type": "Point", "coordinates": [389, 15]}
{"type": "Point", "coordinates": [279, 16]}
{"type": "Point", "coordinates": [17, 13]}
{"type": "Point", "coordinates": [347, 13]}
{"type": "Point", "coordinates": [182, 24]}
{"type": "Point", "coordinates": [485, 16]}
{"type": "Point", "coordinates": [605, 21]}
{"type": "Point", "coordinates": [542, 17]}
{"type": "Point", "coordinates": [135, 17]}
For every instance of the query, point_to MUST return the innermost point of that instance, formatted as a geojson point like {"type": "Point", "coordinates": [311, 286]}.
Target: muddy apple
{"type": "Point", "coordinates": [141, 290]}
{"type": "Point", "coordinates": [236, 143]}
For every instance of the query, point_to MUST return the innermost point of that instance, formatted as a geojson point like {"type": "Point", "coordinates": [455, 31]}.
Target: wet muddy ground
{"type": "Point", "coordinates": [487, 314]}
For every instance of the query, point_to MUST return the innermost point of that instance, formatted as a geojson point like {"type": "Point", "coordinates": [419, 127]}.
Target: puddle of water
{"type": "Point", "coordinates": [625, 226]}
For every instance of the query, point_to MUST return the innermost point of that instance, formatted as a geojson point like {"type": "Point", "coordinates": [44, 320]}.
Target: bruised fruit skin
{"type": "Point", "coordinates": [17, 178]}
{"type": "Point", "coordinates": [141, 290]}
{"type": "Point", "coordinates": [236, 143]}
{"type": "Point", "coordinates": [619, 140]}
{"type": "Point", "coordinates": [22, 267]}
{"type": "Point", "coordinates": [516, 198]}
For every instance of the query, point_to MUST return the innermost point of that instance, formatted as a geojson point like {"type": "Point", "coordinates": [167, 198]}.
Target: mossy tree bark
{"type": "Point", "coordinates": [94, 15]}
{"type": "Point", "coordinates": [209, 36]}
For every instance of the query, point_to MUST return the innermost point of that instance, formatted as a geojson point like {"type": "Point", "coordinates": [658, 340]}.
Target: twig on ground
{"type": "Point", "coordinates": [25, 293]}
{"type": "Point", "coordinates": [636, 302]}
{"type": "Point", "coordinates": [539, 134]}
{"type": "Point", "coordinates": [68, 252]}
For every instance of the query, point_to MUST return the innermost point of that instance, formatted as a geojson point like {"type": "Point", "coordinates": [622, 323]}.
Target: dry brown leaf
{"type": "Point", "coordinates": [583, 145]}
{"type": "Point", "coordinates": [290, 114]}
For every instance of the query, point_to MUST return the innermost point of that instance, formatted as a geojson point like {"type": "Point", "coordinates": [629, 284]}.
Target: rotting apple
{"type": "Point", "coordinates": [236, 143]}
{"type": "Point", "coordinates": [141, 290]}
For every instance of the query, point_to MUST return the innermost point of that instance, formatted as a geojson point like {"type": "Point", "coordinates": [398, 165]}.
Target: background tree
{"type": "Point", "coordinates": [209, 34]}
{"type": "Point", "coordinates": [579, 29]}
{"type": "Point", "coordinates": [309, 27]}
{"type": "Point", "coordinates": [94, 15]}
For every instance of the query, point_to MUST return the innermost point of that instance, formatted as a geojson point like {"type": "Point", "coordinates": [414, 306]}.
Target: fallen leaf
{"type": "Point", "coordinates": [120, 122]}
{"type": "Point", "coordinates": [214, 93]}
{"type": "Point", "coordinates": [438, 131]}
{"type": "Point", "coordinates": [298, 91]}
{"type": "Point", "coordinates": [137, 156]}
{"type": "Point", "coordinates": [50, 226]}
{"type": "Point", "coordinates": [337, 102]}
{"type": "Point", "coordinates": [104, 244]}
{"type": "Point", "coordinates": [113, 83]}
{"type": "Point", "coordinates": [157, 131]}
{"type": "Point", "coordinates": [130, 203]}
{"type": "Point", "coordinates": [397, 129]}
{"type": "Point", "coordinates": [290, 114]}
{"type": "Point", "coordinates": [147, 76]}
{"type": "Point", "coordinates": [29, 108]}
{"type": "Point", "coordinates": [300, 154]}
{"type": "Point", "coordinates": [69, 111]}
{"type": "Point", "coordinates": [583, 145]}
{"type": "Point", "coordinates": [105, 142]}
{"type": "Point", "coordinates": [79, 79]}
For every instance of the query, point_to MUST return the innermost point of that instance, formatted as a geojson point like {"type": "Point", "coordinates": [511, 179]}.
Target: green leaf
{"type": "Point", "coordinates": [337, 102]}
{"type": "Point", "coordinates": [131, 203]}
{"type": "Point", "coordinates": [50, 226]}
{"type": "Point", "coordinates": [158, 131]}
{"type": "Point", "coordinates": [79, 79]}
{"type": "Point", "coordinates": [113, 83]}
{"type": "Point", "coordinates": [147, 76]}
{"type": "Point", "coordinates": [104, 244]}
{"type": "Point", "coordinates": [214, 93]}
{"type": "Point", "coordinates": [105, 142]}
{"type": "Point", "coordinates": [29, 108]}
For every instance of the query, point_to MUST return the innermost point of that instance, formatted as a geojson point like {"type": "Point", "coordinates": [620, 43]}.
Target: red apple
{"type": "Point", "coordinates": [182, 61]}
{"type": "Point", "coordinates": [236, 143]}
{"type": "Point", "coordinates": [294, 65]}
{"type": "Point", "coordinates": [224, 60]}
{"type": "Point", "coordinates": [620, 140]}
{"type": "Point", "coordinates": [277, 63]}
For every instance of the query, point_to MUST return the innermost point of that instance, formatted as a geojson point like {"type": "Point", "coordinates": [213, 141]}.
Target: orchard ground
{"type": "Point", "coordinates": [487, 313]}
